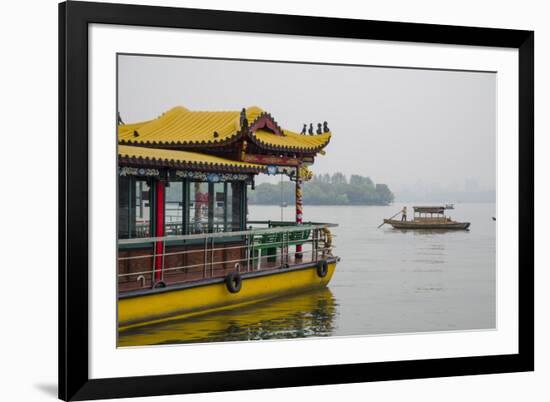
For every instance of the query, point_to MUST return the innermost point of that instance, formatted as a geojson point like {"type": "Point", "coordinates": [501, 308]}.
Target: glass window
{"type": "Point", "coordinates": [190, 207]}
{"type": "Point", "coordinates": [215, 207]}
{"type": "Point", "coordinates": [142, 227]}
{"type": "Point", "coordinates": [218, 216]}
{"type": "Point", "coordinates": [174, 207]}
{"type": "Point", "coordinates": [134, 208]}
{"type": "Point", "coordinates": [234, 207]}
{"type": "Point", "coordinates": [199, 207]}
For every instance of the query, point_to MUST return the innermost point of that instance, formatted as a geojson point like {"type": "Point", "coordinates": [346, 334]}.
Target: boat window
{"type": "Point", "coordinates": [174, 207]}
{"type": "Point", "coordinates": [214, 207]}
{"type": "Point", "coordinates": [134, 208]}
{"type": "Point", "coordinates": [199, 206]}
{"type": "Point", "coordinates": [234, 207]}
{"type": "Point", "coordinates": [218, 207]}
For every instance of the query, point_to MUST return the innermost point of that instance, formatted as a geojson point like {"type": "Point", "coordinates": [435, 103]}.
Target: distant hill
{"type": "Point", "coordinates": [325, 190]}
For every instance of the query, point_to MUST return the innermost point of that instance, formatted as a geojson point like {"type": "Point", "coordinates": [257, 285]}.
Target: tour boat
{"type": "Point", "coordinates": [185, 244]}
{"type": "Point", "coordinates": [428, 218]}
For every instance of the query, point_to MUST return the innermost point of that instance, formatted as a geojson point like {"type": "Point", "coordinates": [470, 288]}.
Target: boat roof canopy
{"type": "Point", "coordinates": [180, 127]}
{"type": "Point", "coordinates": [430, 210]}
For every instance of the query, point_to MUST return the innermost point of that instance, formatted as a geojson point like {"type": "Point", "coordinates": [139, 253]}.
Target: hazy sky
{"type": "Point", "coordinates": [399, 126]}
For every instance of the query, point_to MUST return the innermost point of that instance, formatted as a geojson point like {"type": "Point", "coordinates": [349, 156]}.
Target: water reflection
{"type": "Point", "coordinates": [303, 315]}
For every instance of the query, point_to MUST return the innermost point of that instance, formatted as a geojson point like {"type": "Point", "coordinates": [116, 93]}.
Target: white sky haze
{"type": "Point", "coordinates": [404, 127]}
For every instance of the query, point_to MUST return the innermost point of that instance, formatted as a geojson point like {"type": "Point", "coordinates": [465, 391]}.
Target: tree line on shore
{"type": "Point", "coordinates": [325, 189]}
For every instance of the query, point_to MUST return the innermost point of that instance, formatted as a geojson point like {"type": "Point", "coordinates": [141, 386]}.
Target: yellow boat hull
{"type": "Point", "coordinates": [170, 303]}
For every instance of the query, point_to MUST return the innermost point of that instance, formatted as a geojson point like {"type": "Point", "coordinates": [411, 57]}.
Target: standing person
{"type": "Point", "coordinates": [404, 214]}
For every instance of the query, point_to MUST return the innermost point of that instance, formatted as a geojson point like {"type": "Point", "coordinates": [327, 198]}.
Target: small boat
{"type": "Point", "coordinates": [431, 217]}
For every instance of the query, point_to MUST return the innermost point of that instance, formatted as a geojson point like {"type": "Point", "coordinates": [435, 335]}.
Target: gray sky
{"type": "Point", "coordinates": [407, 128]}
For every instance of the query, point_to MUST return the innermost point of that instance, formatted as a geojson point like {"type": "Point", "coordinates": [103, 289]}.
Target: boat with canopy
{"type": "Point", "coordinates": [428, 217]}
{"type": "Point", "coordinates": [185, 243]}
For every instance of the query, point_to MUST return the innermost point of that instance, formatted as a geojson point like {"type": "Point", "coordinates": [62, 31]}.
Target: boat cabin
{"type": "Point", "coordinates": [430, 214]}
{"type": "Point", "coordinates": [183, 180]}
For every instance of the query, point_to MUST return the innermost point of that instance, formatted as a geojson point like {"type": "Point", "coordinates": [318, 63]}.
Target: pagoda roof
{"type": "Point", "coordinates": [182, 127]}
{"type": "Point", "coordinates": [290, 141]}
{"type": "Point", "coordinates": [183, 159]}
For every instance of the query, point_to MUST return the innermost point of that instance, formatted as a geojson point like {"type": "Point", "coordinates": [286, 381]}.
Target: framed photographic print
{"type": "Point", "coordinates": [257, 200]}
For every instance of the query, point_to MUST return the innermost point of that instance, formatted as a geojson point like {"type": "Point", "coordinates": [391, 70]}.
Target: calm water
{"type": "Point", "coordinates": [388, 281]}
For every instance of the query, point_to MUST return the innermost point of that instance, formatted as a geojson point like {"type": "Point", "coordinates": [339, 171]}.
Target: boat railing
{"type": "Point", "coordinates": [432, 219]}
{"type": "Point", "coordinates": [194, 257]}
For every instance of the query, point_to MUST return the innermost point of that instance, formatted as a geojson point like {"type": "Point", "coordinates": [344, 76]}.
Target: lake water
{"type": "Point", "coordinates": [389, 281]}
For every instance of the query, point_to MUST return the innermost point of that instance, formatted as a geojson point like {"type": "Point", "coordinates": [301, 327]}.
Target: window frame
{"type": "Point", "coordinates": [211, 202]}
{"type": "Point", "coordinates": [132, 196]}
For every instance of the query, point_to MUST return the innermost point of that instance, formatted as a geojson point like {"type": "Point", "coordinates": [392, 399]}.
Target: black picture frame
{"type": "Point", "coordinates": [74, 18]}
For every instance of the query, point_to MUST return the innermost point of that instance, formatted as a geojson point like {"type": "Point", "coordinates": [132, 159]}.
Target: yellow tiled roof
{"type": "Point", "coordinates": [292, 140]}
{"type": "Point", "coordinates": [180, 126]}
{"type": "Point", "coordinates": [127, 130]}
{"type": "Point", "coordinates": [171, 157]}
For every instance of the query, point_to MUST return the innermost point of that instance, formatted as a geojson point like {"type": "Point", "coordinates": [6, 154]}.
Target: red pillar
{"type": "Point", "coordinates": [159, 227]}
{"type": "Point", "coordinates": [299, 195]}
